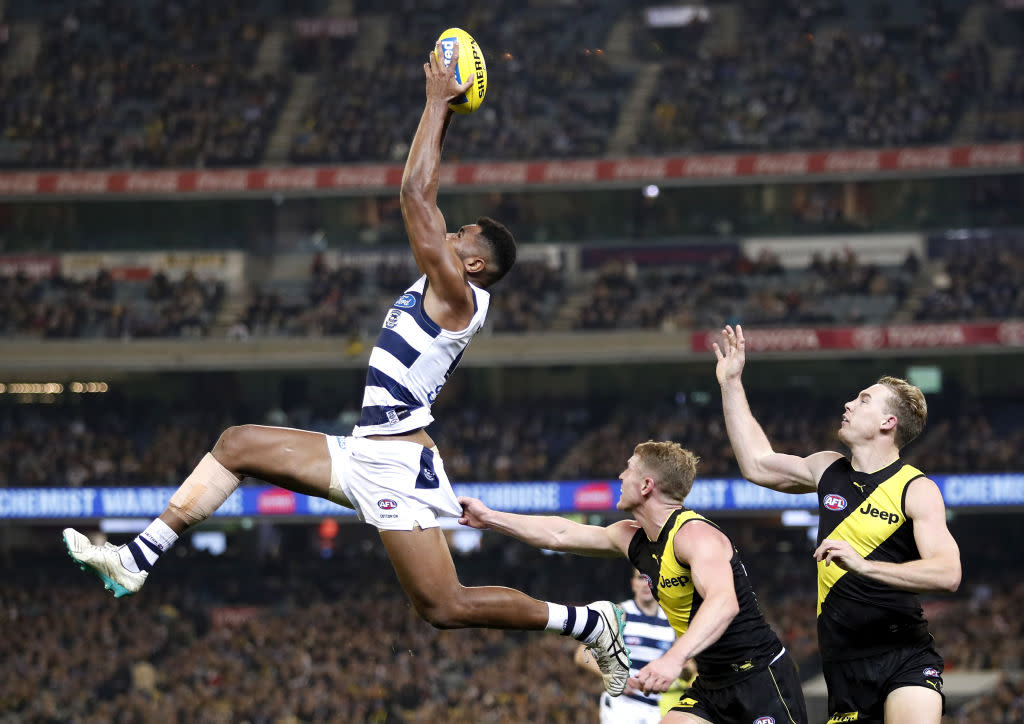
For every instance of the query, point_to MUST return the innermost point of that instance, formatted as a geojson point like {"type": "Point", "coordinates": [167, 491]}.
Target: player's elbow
{"type": "Point", "coordinates": [725, 605]}
{"type": "Point", "coordinates": [414, 195]}
{"type": "Point", "coordinates": [951, 581]}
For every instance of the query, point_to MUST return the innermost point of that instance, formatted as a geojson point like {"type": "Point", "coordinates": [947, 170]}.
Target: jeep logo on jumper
{"type": "Point", "coordinates": [387, 504]}
{"type": "Point", "coordinates": [890, 518]}
{"type": "Point", "coordinates": [674, 581]}
{"type": "Point", "coordinates": [834, 502]}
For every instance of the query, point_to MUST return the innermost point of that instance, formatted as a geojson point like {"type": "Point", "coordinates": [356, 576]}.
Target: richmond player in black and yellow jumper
{"type": "Point", "coordinates": [882, 539]}
{"type": "Point", "coordinates": [695, 572]}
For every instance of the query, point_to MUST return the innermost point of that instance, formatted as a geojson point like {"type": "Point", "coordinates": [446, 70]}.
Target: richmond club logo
{"type": "Point", "coordinates": [387, 504]}
{"type": "Point", "coordinates": [834, 502]}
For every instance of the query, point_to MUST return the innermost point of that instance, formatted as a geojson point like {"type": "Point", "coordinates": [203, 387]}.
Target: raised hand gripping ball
{"type": "Point", "coordinates": [471, 60]}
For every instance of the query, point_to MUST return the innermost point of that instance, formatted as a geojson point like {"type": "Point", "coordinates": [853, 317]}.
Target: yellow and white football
{"type": "Point", "coordinates": [471, 60]}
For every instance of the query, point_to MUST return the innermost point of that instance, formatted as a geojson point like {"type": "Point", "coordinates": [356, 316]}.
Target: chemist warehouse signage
{"type": "Point", "coordinates": [715, 494]}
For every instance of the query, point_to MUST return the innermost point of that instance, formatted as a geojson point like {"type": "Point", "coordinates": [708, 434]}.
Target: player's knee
{"type": "Point", "coordinates": [442, 611]}
{"type": "Point", "coordinates": [232, 445]}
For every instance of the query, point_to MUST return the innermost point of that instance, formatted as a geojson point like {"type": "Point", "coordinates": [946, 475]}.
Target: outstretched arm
{"type": "Point", "coordinates": [551, 531]}
{"type": "Point", "coordinates": [938, 569]}
{"type": "Point", "coordinates": [758, 462]}
{"type": "Point", "coordinates": [709, 554]}
{"type": "Point", "coordinates": [423, 219]}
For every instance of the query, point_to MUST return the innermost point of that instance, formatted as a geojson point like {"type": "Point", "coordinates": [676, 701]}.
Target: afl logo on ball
{"type": "Point", "coordinates": [834, 502]}
{"type": "Point", "coordinates": [387, 504]}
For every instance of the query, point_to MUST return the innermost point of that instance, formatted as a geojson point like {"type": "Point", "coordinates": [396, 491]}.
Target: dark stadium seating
{"type": "Point", "coordinates": [763, 75]}
{"type": "Point", "coordinates": [141, 442]}
{"type": "Point", "coordinates": [281, 634]}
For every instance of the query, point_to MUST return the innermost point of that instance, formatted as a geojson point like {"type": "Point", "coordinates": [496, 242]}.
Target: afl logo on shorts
{"type": "Point", "coordinates": [930, 672]}
{"type": "Point", "coordinates": [765, 720]}
{"type": "Point", "coordinates": [405, 301]}
{"type": "Point", "coordinates": [834, 502]}
{"type": "Point", "coordinates": [387, 504]}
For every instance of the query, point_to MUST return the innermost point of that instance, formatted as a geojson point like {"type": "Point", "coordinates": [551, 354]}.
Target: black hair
{"type": "Point", "coordinates": [503, 250]}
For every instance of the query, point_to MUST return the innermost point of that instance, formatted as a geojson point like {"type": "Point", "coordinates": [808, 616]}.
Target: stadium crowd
{"type": "Point", "coordinates": [810, 75]}
{"type": "Point", "coordinates": [141, 85]}
{"type": "Point", "coordinates": [287, 636]}
{"type": "Point", "coordinates": [99, 306]}
{"type": "Point", "coordinates": [837, 289]}
{"type": "Point", "coordinates": [146, 442]}
{"type": "Point", "coordinates": [976, 284]}
{"type": "Point", "coordinates": [345, 301]}
{"type": "Point", "coordinates": [188, 84]}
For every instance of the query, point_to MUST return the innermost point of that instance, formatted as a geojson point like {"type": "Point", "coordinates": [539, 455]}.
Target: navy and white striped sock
{"type": "Point", "coordinates": [580, 622]}
{"type": "Point", "coordinates": [143, 552]}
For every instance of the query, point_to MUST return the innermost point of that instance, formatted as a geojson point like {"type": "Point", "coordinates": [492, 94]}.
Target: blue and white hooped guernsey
{"type": "Point", "coordinates": [648, 638]}
{"type": "Point", "coordinates": [410, 363]}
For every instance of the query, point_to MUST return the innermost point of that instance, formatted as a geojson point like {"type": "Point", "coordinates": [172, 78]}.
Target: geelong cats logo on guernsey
{"type": "Point", "coordinates": [834, 502]}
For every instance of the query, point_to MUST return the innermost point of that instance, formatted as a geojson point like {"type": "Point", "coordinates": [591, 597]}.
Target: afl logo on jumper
{"type": "Point", "coordinates": [930, 672]}
{"type": "Point", "coordinates": [765, 720]}
{"type": "Point", "coordinates": [834, 502]}
{"type": "Point", "coordinates": [387, 504]}
{"type": "Point", "coordinates": [405, 301]}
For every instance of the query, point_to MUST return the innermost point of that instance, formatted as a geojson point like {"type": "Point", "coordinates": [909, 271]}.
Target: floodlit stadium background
{"type": "Point", "coordinates": [199, 227]}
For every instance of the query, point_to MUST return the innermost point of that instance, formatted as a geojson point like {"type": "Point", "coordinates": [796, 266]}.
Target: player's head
{"type": "Point", "coordinates": [891, 408]}
{"type": "Point", "coordinates": [641, 586]}
{"type": "Point", "coordinates": [665, 469]}
{"type": "Point", "coordinates": [907, 403]}
{"type": "Point", "coordinates": [488, 250]}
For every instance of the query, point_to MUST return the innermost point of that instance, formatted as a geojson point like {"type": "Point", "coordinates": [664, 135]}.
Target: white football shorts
{"type": "Point", "coordinates": [391, 484]}
{"type": "Point", "coordinates": [624, 710]}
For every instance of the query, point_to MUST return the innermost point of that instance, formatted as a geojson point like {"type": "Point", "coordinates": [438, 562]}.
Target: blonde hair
{"type": "Point", "coordinates": [908, 405]}
{"type": "Point", "coordinates": [672, 466]}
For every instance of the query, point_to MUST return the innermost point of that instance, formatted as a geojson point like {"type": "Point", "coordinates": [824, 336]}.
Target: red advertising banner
{"type": "Point", "coordinates": [369, 177]}
{"type": "Point", "coordinates": [33, 266]}
{"type": "Point", "coordinates": [895, 336]}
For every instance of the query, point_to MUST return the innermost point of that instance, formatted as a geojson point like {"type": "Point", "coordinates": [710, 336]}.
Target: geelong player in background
{"type": "Point", "coordinates": [697, 576]}
{"type": "Point", "coordinates": [648, 634]}
{"type": "Point", "coordinates": [389, 470]}
{"type": "Point", "coordinates": [882, 538]}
